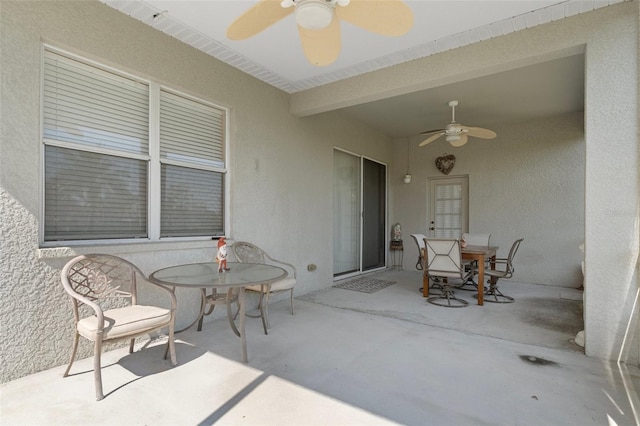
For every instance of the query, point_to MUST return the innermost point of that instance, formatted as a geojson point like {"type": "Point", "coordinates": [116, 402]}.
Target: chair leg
{"type": "Point", "coordinates": [172, 343]}
{"type": "Point", "coordinates": [76, 337]}
{"type": "Point", "coordinates": [131, 345]}
{"type": "Point", "coordinates": [292, 312]}
{"type": "Point", "coordinates": [494, 295]}
{"type": "Point", "coordinates": [97, 373]}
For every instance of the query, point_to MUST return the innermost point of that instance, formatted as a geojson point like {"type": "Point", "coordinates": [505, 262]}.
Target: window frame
{"type": "Point", "coordinates": [153, 157]}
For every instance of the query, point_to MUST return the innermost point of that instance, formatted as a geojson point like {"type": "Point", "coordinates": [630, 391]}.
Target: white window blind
{"type": "Point", "coordinates": [90, 193]}
{"type": "Point", "coordinates": [94, 196]}
{"type": "Point", "coordinates": [101, 173]}
{"type": "Point", "coordinates": [94, 108]}
{"type": "Point", "coordinates": [192, 155]}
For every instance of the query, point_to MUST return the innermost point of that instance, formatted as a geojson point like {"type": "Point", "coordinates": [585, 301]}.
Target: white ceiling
{"type": "Point", "coordinates": [275, 56]}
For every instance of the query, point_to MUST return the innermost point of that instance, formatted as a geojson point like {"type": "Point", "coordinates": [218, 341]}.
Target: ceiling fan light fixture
{"type": "Point", "coordinates": [452, 138]}
{"type": "Point", "coordinates": [314, 14]}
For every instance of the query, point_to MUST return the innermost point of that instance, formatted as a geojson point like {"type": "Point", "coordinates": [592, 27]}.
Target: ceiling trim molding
{"type": "Point", "coordinates": [143, 12]}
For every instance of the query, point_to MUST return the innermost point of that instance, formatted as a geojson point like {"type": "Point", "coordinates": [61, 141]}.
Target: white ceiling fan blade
{"type": "Point", "coordinates": [431, 139]}
{"type": "Point", "coordinates": [479, 132]}
{"type": "Point", "coordinates": [461, 141]}
{"type": "Point", "coordinates": [322, 46]}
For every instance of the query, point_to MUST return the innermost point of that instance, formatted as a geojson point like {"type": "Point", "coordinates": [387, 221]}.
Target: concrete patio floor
{"type": "Point", "coordinates": [351, 358]}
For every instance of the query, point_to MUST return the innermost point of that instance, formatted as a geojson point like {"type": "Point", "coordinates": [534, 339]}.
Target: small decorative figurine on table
{"type": "Point", "coordinates": [221, 256]}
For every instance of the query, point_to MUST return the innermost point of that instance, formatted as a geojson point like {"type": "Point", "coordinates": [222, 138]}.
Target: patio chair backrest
{"type": "Point", "coordinates": [443, 257]}
{"type": "Point", "coordinates": [476, 239]}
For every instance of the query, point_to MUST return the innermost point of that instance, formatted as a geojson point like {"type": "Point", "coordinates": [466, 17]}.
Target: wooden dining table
{"type": "Point", "coordinates": [477, 253]}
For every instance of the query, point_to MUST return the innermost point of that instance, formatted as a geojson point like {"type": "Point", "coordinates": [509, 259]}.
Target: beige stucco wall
{"type": "Point", "coordinates": [528, 182]}
{"type": "Point", "coordinates": [609, 38]}
{"type": "Point", "coordinates": [281, 168]}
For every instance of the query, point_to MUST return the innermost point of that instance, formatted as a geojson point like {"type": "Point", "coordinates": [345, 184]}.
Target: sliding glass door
{"type": "Point", "coordinates": [359, 214]}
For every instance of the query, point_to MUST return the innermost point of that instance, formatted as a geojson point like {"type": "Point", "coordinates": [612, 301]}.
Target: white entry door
{"type": "Point", "coordinates": [448, 207]}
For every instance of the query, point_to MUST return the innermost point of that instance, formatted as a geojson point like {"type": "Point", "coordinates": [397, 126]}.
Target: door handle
{"type": "Point", "coordinates": [432, 229]}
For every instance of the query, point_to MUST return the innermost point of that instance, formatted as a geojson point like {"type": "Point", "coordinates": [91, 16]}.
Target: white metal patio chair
{"type": "Point", "coordinates": [444, 260]}
{"type": "Point", "coordinates": [419, 239]}
{"type": "Point", "coordinates": [104, 292]}
{"type": "Point", "coordinates": [473, 240]}
{"type": "Point", "coordinates": [250, 253]}
{"type": "Point", "coordinates": [494, 295]}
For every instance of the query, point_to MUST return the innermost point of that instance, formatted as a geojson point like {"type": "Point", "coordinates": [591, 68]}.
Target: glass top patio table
{"type": "Point", "coordinates": [205, 275]}
{"type": "Point", "coordinates": [200, 275]}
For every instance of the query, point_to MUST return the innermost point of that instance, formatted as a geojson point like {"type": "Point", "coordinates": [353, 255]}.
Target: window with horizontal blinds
{"type": "Point", "coordinates": [101, 170]}
{"type": "Point", "coordinates": [191, 131]}
{"type": "Point", "coordinates": [92, 196]}
{"type": "Point", "coordinates": [91, 107]}
{"type": "Point", "coordinates": [192, 202]}
{"type": "Point", "coordinates": [192, 155]}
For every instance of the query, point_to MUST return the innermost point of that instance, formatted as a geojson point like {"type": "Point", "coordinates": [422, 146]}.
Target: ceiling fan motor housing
{"type": "Point", "coordinates": [314, 14]}
{"type": "Point", "coordinates": [453, 129]}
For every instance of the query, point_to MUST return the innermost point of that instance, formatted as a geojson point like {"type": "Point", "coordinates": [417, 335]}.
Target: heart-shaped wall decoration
{"type": "Point", "coordinates": [445, 163]}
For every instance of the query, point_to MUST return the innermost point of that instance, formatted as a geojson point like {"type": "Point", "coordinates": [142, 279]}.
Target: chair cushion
{"type": "Point", "coordinates": [285, 284]}
{"type": "Point", "coordinates": [126, 321]}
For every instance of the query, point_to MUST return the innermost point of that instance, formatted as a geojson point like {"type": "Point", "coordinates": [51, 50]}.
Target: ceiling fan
{"type": "Point", "coordinates": [318, 22]}
{"type": "Point", "coordinates": [455, 133]}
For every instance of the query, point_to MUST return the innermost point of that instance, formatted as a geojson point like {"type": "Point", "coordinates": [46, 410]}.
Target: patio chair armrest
{"type": "Point", "coordinates": [497, 261]}
{"type": "Point", "coordinates": [93, 305]}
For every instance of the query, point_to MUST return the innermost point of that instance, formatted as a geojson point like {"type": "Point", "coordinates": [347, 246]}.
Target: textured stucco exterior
{"type": "Point", "coordinates": [578, 173]}
{"type": "Point", "coordinates": [281, 168]}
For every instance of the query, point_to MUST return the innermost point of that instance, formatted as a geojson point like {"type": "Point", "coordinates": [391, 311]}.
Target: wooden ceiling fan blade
{"type": "Point", "coordinates": [463, 140]}
{"type": "Point", "coordinates": [479, 132]}
{"type": "Point", "coordinates": [257, 18]}
{"type": "Point", "coordinates": [321, 47]}
{"type": "Point", "coordinates": [386, 17]}
{"type": "Point", "coordinates": [431, 139]}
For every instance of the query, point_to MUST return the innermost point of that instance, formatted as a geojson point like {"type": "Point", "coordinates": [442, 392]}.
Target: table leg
{"type": "Point", "coordinates": [425, 283]}
{"type": "Point", "coordinates": [229, 315]}
{"type": "Point", "coordinates": [243, 336]}
{"type": "Point", "coordinates": [481, 280]}
{"type": "Point", "coordinates": [264, 289]}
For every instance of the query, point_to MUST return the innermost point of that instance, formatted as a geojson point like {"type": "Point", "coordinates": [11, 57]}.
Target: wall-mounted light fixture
{"type": "Point", "coordinates": [407, 177]}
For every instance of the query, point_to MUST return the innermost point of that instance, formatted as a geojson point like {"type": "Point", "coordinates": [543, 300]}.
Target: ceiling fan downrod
{"type": "Point", "coordinates": [453, 105]}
